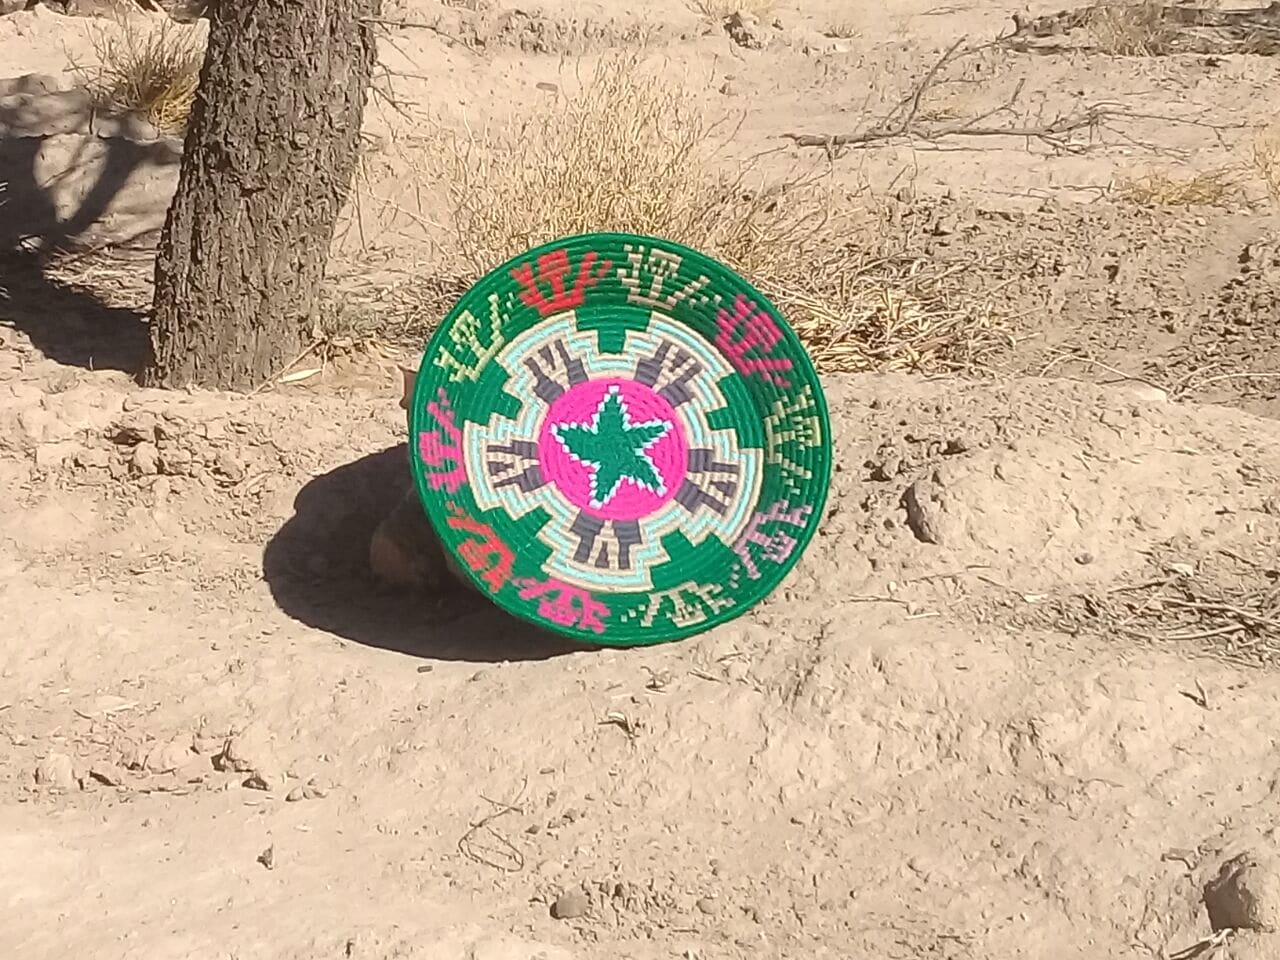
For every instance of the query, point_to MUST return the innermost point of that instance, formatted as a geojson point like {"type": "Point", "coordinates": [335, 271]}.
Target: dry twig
{"type": "Point", "coordinates": [904, 123]}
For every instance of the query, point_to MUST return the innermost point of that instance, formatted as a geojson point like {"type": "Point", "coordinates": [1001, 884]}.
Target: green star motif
{"type": "Point", "coordinates": [616, 447]}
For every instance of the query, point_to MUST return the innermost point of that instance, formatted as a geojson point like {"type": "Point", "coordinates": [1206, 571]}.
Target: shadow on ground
{"type": "Point", "coordinates": [75, 183]}
{"type": "Point", "coordinates": [66, 322]}
{"type": "Point", "coordinates": [316, 567]}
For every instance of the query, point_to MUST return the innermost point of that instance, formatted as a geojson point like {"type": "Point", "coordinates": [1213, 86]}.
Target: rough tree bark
{"type": "Point", "coordinates": [270, 152]}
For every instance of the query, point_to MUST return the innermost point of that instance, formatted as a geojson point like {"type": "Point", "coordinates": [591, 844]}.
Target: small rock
{"type": "Point", "coordinates": [956, 445]}
{"type": "Point", "coordinates": [296, 794]}
{"type": "Point", "coordinates": [93, 459]}
{"type": "Point", "coordinates": [886, 469]}
{"type": "Point", "coordinates": [107, 773]}
{"type": "Point", "coordinates": [248, 750]}
{"type": "Point", "coordinates": [708, 905]}
{"type": "Point", "coordinates": [314, 791]}
{"type": "Point", "coordinates": [56, 770]}
{"type": "Point", "coordinates": [268, 857]}
{"type": "Point", "coordinates": [1246, 893]}
{"type": "Point", "coordinates": [171, 756]}
{"type": "Point", "coordinates": [227, 466]}
{"type": "Point", "coordinates": [251, 751]}
{"type": "Point", "coordinates": [177, 461]}
{"type": "Point", "coordinates": [570, 906]}
{"type": "Point", "coordinates": [921, 509]}
{"type": "Point", "coordinates": [51, 456]}
{"type": "Point", "coordinates": [262, 780]}
{"type": "Point", "coordinates": [945, 226]}
{"type": "Point", "coordinates": [35, 423]}
{"type": "Point", "coordinates": [1084, 559]}
{"type": "Point", "coordinates": [745, 30]}
{"type": "Point", "coordinates": [140, 426]}
{"type": "Point", "coordinates": [145, 461]}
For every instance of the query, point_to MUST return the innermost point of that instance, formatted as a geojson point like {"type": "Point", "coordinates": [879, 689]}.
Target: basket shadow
{"type": "Point", "coordinates": [316, 566]}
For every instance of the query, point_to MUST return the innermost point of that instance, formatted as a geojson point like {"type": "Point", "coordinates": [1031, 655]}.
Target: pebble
{"type": "Point", "coordinates": [570, 906]}
{"type": "Point", "coordinates": [146, 459]}
{"type": "Point", "coordinates": [708, 905]}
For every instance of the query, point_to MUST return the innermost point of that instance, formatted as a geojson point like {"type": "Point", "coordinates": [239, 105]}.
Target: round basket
{"type": "Point", "coordinates": [620, 440]}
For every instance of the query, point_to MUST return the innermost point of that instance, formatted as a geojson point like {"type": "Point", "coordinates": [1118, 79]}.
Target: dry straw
{"type": "Point", "coordinates": [1160, 189]}
{"type": "Point", "coordinates": [632, 151]}
{"type": "Point", "coordinates": [1131, 29]}
{"type": "Point", "coordinates": [147, 67]}
{"type": "Point", "coordinates": [1265, 157]}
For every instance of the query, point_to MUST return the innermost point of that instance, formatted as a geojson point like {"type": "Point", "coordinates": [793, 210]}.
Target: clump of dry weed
{"type": "Point", "coordinates": [1159, 189]}
{"type": "Point", "coordinates": [631, 152]}
{"type": "Point", "coordinates": [1265, 157]}
{"type": "Point", "coordinates": [150, 69]}
{"type": "Point", "coordinates": [723, 9]}
{"type": "Point", "coordinates": [1131, 29]}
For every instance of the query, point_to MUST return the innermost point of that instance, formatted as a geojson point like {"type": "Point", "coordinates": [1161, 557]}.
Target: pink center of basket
{"type": "Point", "coordinates": [614, 448]}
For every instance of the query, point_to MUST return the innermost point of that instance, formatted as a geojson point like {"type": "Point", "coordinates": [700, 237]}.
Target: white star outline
{"type": "Point", "coordinates": [594, 426]}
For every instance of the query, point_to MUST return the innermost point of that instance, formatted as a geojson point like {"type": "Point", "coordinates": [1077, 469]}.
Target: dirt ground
{"type": "Point", "coordinates": [1037, 729]}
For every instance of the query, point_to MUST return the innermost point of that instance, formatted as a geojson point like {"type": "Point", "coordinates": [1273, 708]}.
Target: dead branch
{"type": "Point", "coordinates": [903, 123]}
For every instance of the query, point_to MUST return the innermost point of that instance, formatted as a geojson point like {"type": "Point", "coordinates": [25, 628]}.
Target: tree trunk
{"type": "Point", "coordinates": [270, 152]}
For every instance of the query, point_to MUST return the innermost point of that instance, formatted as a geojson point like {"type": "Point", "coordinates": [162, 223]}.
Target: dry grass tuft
{"type": "Point", "coordinates": [842, 30]}
{"type": "Point", "coordinates": [632, 152]}
{"type": "Point", "coordinates": [1209, 188]}
{"type": "Point", "coordinates": [150, 69]}
{"type": "Point", "coordinates": [1132, 29]}
{"type": "Point", "coordinates": [1265, 157]}
{"type": "Point", "coordinates": [1221, 604]}
{"type": "Point", "coordinates": [723, 9]}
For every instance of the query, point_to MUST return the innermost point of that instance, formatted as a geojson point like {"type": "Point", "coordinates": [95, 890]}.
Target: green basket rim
{"type": "Point", "coordinates": [426, 498]}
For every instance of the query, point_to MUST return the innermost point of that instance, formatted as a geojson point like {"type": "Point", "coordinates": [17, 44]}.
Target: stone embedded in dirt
{"type": "Point", "coordinates": [138, 428]}
{"type": "Point", "coordinates": [267, 780]}
{"type": "Point", "coordinates": [94, 458]}
{"type": "Point", "coordinates": [107, 774]}
{"type": "Point", "coordinates": [570, 905]}
{"type": "Point", "coordinates": [919, 499]}
{"type": "Point", "coordinates": [1245, 895]}
{"type": "Point", "coordinates": [886, 468]}
{"type": "Point", "coordinates": [294, 795]}
{"type": "Point", "coordinates": [56, 770]}
{"type": "Point", "coordinates": [746, 31]}
{"type": "Point", "coordinates": [177, 461]}
{"type": "Point", "coordinates": [170, 756]}
{"type": "Point", "coordinates": [268, 857]}
{"type": "Point", "coordinates": [145, 461]}
{"type": "Point", "coordinates": [708, 905]}
{"type": "Point", "coordinates": [51, 456]}
{"type": "Point", "coordinates": [251, 751]}
{"type": "Point", "coordinates": [228, 467]}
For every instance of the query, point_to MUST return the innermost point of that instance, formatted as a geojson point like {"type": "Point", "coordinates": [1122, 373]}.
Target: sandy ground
{"type": "Point", "coordinates": [220, 738]}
